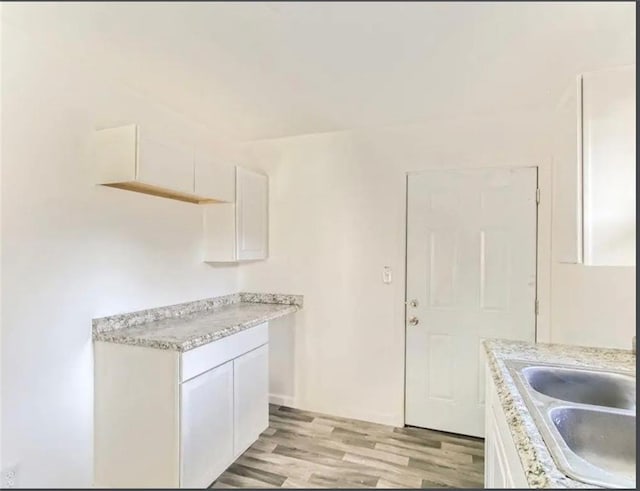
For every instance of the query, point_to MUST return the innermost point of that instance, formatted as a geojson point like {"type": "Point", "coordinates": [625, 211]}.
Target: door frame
{"type": "Point", "coordinates": [543, 255]}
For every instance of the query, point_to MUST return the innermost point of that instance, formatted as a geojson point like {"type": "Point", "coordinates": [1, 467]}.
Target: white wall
{"type": "Point", "coordinates": [594, 305]}
{"type": "Point", "coordinates": [72, 251]}
{"type": "Point", "coordinates": [337, 217]}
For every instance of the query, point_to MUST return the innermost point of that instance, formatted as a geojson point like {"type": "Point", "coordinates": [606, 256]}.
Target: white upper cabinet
{"type": "Point", "coordinates": [595, 170]}
{"type": "Point", "coordinates": [609, 167]}
{"type": "Point", "coordinates": [130, 158]}
{"type": "Point", "coordinates": [239, 231]}
{"type": "Point", "coordinates": [164, 164]}
{"type": "Point", "coordinates": [567, 178]}
{"type": "Point", "coordinates": [214, 178]}
{"type": "Point", "coordinates": [251, 214]}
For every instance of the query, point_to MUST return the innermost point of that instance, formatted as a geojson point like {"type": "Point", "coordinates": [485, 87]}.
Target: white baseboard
{"type": "Point", "coordinates": [281, 400]}
{"type": "Point", "coordinates": [380, 418]}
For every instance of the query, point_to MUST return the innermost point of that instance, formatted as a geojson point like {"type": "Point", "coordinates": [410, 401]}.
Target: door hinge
{"type": "Point", "coordinates": [537, 307]}
{"type": "Point", "coordinates": [538, 195]}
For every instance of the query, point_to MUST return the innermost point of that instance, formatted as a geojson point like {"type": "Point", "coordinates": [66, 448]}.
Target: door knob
{"type": "Point", "coordinates": [412, 303]}
{"type": "Point", "coordinates": [414, 321]}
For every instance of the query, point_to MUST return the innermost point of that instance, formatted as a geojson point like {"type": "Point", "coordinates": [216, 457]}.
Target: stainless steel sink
{"type": "Point", "coordinates": [583, 386]}
{"type": "Point", "coordinates": [587, 418]}
{"type": "Point", "coordinates": [603, 438]}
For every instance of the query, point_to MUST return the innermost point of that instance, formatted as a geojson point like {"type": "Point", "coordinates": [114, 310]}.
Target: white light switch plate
{"type": "Point", "coordinates": [386, 275]}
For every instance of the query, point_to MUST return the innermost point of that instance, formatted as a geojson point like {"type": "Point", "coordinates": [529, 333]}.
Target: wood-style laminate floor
{"type": "Point", "coordinates": [301, 449]}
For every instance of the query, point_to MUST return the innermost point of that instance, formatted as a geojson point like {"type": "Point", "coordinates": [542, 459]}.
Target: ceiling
{"type": "Point", "coordinates": [265, 70]}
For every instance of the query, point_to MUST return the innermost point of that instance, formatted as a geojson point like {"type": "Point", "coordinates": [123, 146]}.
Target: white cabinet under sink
{"type": "Point", "coordinates": [239, 231]}
{"type": "Point", "coordinates": [168, 419]}
{"type": "Point", "coordinates": [502, 466]}
{"type": "Point", "coordinates": [594, 161]}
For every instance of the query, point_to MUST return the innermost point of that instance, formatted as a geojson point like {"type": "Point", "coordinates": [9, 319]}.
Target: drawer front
{"type": "Point", "coordinates": [203, 358]}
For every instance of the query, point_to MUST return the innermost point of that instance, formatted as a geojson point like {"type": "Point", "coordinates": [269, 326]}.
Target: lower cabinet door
{"type": "Point", "coordinates": [206, 426]}
{"type": "Point", "coordinates": [503, 468]}
{"type": "Point", "coordinates": [251, 397]}
{"type": "Point", "coordinates": [495, 462]}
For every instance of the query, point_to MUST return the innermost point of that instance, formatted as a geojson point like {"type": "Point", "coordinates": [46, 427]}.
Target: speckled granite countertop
{"type": "Point", "coordinates": [538, 465]}
{"type": "Point", "coordinates": [185, 326]}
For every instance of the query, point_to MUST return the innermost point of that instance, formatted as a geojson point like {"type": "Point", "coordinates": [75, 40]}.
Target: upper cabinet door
{"type": "Point", "coordinates": [252, 214]}
{"type": "Point", "coordinates": [164, 164]}
{"type": "Point", "coordinates": [214, 179]}
{"type": "Point", "coordinates": [567, 177]}
{"type": "Point", "coordinates": [609, 167]}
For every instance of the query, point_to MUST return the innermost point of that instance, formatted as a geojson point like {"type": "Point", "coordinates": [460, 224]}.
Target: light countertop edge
{"type": "Point", "coordinates": [187, 326]}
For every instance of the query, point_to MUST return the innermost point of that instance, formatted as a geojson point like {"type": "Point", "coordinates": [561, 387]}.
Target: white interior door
{"type": "Point", "coordinates": [471, 274]}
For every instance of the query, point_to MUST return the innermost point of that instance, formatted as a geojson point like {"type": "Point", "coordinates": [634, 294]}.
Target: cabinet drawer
{"type": "Point", "coordinates": [216, 353]}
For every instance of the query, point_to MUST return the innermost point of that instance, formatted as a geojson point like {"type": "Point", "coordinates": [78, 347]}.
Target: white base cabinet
{"type": "Point", "coordinates": [502, 466]}
{"type": "Point", "coordinates": [170, 419]}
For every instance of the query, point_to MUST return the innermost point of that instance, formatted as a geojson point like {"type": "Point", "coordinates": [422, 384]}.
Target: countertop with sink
{"type": "Point", "coordinates": [183, 327]}
{"type": "Point", "coordinates": [523, 408]}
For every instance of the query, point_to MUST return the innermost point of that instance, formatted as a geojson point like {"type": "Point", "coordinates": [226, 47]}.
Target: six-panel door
{"type": "Point", "coordinates": [471, 275]}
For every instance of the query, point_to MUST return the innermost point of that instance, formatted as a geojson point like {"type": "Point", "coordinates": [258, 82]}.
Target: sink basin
{"type": "Point", "coordinates": [587, 419]}
{"type": "Point", "coordinates": [603, 439]}
{"type": "Point", "coordinates": [583, 386]}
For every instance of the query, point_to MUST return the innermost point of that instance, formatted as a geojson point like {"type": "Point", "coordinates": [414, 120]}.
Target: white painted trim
{"type": "Point", "coordinates": [281, 400]}
{"type": "Point", "coordinates": [376, 418]}
{"type": "Point", "coordinates": [544, 253]}
{"type": "Point", "coordinates": [366, 417]}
